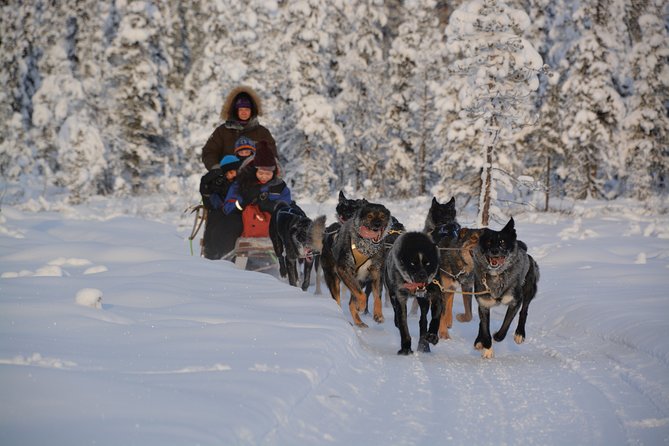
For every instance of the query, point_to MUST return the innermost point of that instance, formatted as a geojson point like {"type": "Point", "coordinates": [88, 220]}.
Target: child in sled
{"type": "Point", "coordinates": [221, 230]}
{"type": "Point", "coordinates": [256, 191]}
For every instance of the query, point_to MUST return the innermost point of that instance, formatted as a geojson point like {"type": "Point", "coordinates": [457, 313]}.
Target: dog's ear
{"type": "Point", "coordinates": [342, 197]}
{"type": "Point", "coordinates": [434, 201]}
{"type": "Point", "coordinates": [509, 228]}
{"type": "Point", "coordinates": [451, 202]}
{"type": "Point", "coordinates": [510, 225]}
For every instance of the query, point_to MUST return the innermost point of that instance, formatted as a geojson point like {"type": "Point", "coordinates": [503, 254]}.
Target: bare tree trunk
{"type": "Point", "coordinates": [548, 180]}
{"type": "Point", "coordinates": [486, 180]}
{"type": "Point", "coordinates": [423, 149]}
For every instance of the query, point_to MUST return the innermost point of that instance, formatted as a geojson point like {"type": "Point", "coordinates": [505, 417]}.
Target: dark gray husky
{"type": "Point", "coordinates": [411, 266]}
{"type": "Point", "coordinates": [505, 274]}
{"type": "Point", "coordinates": [355, 255]}
{"type": "Point", "coordinates": [296, 238]}
{"type": "Point", "coordinates": [439, 214]}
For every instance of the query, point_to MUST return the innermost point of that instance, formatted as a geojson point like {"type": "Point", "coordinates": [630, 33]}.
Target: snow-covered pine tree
{"type": "Point", "coordinates": [501, 69]}
{"type": "Point", "coordinates": [309, 134]}
{"type": "Point", "coordinates": [66, 135]}
{"type": "Point", "coordinates": [591, 108]}
{"type": "Point", "coordinates": [427, 42]}
{"type": "Point", "coordinates": [646, 124]}
{"type": "Point", "coordinates": [360, 68]}
{"type": "Point", "coordinates": [19, 77]}
{"type": "Point", "coordinates": [550, 32]}
{"type": "Point", "coordinates": [138, 63]}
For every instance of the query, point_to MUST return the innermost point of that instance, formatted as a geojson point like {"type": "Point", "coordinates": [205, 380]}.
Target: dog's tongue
{"type": "Point", "coordinates": [496, 261]}
{"type": "Point", "coordinates": [367, 233]}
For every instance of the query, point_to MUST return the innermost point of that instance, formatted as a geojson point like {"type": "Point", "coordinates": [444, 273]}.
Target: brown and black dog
{"type": "Point", "coordinates": [354, 255]}
{"type": "Point", "coordinates": [456, 268]}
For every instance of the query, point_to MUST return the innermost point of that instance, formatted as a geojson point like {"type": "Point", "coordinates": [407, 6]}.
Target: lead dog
{"type": "Point", "coordinates": [411, 266]}
{"type": "Point", "coordinates": [356, 255]}
{"type": "Point", "coordinates": [505, 275]}
{"type": "Point", "coordinates": [295, 237]}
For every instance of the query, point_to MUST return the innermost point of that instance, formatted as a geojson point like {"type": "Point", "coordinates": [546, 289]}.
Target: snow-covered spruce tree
{"type": "Point", "coordinates": [309, 134]}
{"type": "Point", "coordinates": [138, 64]}
{"type": "Point", "coordinates": [551, 33]}
{"type": "Point", "coordinates": [19, 77]}
{"type": "Point", "coordinates": [400, 167]}
{"type": "Point", "coordinates": [646, 125]}
{"type": "Point", "coordinates": [360, 67]}
{"type": "Point", "coordinates": [65, 132]}
{"type": "Point", "coordinates": [425, 40]}
{"type": "Point", "coordinates": [591, 109]}
{"type": "Point", "coordinates": [501, 69]}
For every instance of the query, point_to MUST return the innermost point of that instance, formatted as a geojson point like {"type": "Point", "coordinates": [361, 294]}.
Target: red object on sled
{"type": "Point", "coordinates": [255, 221]}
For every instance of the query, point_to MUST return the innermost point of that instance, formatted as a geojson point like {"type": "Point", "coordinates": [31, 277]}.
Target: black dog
{"type": "Point", "coordinates": [438, 215]}
{"type": "Point", "coordinates": [355, 255]}
{"type": "Point", "coordinates": [411, 266]}
{"type": "Point", "coordinates": [440, 222]}
{"type": "Point", "coordinates": [295, 237]}
{"type": "Point", "coordinates": [505, 274]}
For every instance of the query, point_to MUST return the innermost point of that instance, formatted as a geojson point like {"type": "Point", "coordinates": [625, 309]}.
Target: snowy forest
{"type": "Point", "coordinates": [554, 98]}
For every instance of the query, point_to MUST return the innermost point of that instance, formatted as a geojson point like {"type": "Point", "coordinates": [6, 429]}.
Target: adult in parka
{"type": "Point", "coordinates": [240, 112]}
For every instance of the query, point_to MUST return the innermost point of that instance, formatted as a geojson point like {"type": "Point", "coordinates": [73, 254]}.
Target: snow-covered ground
{"type": "Point", "coordinates": [111, 333]}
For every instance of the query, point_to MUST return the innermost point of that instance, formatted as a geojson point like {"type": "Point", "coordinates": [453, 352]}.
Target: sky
{"type": "Point", "coordinates": [112, 333]}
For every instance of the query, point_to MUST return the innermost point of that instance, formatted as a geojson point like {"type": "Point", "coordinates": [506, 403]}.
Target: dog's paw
{"type": "Point", "coordinates": [361, 325]}
{"type": "Point", "coordinates": [423, 346]}
{"type": "Point", "coordinates": [499, 337]}
{"type": "Point", "coordinates": [443, 334]}
{"type": "Point", "coordinates": [379, 319]}
{"type": "Point", "coordinates": [478, 345]}
{"type": "Point", "coordinates": [487, 353]}
{"type": "Point", "coordinates": [519, 338]}
{"type": "Point", "coordinates": [462, 317]}
{"type": "Point", "coordinates": [405, 352]}
{"type": "Point", "coordinates": [432, 338]}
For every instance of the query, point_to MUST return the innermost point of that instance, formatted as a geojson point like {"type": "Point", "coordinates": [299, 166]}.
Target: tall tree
{"type": "Point", "coordinates": [592, 108]}
{"type": "Point", "coordinates": [501, 69]}
{"type": "Point", "coordinates": [359, 66]}
{"type": "Point", "coordinates": [647, 124]}
{"type": "Point", "coordinates": [310, 134]}
{"type": "Point", "coordinates": [139, 64]}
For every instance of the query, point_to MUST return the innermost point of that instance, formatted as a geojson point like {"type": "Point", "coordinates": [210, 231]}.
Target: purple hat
{"type": "Point", "coordinates": [243, 102]}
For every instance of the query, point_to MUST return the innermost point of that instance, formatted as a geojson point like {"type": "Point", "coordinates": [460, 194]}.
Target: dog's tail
{"type": "Point", "coordinates": [316, 231]}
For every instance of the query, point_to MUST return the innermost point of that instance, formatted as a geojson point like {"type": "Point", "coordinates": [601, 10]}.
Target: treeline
{"type": "Point", "coordinates": [118, 97]}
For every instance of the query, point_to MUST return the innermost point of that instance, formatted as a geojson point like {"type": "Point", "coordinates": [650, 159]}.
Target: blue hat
{"type": "Point", "coordinates": [244, 143]}
{"type": "Point", "coordinates": [230, 162]}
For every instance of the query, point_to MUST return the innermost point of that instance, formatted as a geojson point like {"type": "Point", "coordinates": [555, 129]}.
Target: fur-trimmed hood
{"type": "Point", "coordinates": [227, 109]}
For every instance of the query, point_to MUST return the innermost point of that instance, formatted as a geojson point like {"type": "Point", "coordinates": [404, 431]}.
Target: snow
{"type": "Point", "coordinates": [131, 340]}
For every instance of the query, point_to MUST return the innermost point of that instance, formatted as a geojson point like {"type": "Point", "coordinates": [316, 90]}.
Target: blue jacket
{"type": "Point", "coordinates": [277, 190]}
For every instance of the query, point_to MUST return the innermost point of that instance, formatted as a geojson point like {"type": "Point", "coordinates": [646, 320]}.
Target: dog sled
{"type": "Point", "coordinates": [254, 254]}
{"type": "Point", "coordinates": [253, 250]}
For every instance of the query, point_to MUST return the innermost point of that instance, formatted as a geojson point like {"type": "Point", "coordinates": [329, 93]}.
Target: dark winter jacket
{"type": "Point", "coordinates": [222, 141]}
{"type": "Point", "coordinates": [247, 190]}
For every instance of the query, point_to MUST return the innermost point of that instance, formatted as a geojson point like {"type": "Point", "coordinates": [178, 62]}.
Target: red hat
{"type": "Point", "coordinates": [264, 158]}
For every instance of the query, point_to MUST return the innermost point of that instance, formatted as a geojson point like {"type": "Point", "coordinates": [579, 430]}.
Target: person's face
{"type": "Point", "coordinates": [244, 113]}
{"type": "Point", "coordinates": [230, 175]}
{"type": "Point", "coordinates": [244, 153]}
{"type": "Point", "coordinates": [264, 175]}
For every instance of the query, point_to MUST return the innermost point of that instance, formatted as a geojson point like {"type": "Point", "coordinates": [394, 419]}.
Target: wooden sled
{"type": "Point", "coordinates": [255, 254]}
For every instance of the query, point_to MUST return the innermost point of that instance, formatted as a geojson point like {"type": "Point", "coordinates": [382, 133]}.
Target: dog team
{"type": "Point", "coordinates": [367, 249]}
